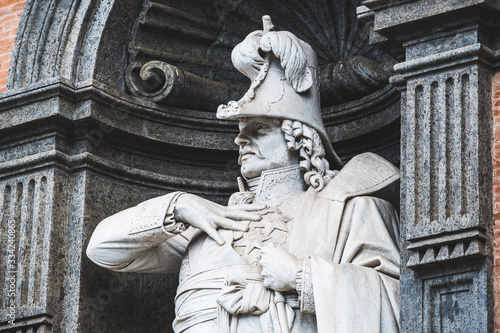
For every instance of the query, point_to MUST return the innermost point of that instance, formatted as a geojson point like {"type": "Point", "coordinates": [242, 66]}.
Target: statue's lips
{"type": "Point", "coordinates": [247, 155]}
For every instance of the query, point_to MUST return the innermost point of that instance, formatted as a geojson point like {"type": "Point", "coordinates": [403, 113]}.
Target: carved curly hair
{"type": "Point", "coordinates": [312, 161]}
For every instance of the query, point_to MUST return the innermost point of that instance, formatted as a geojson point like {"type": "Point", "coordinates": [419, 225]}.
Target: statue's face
{"type": "Point", "coordinates": [262, 146]}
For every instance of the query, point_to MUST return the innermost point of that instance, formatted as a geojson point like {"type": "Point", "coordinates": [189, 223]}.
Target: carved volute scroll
{"type": "Point", "coordinates": [162, 83]}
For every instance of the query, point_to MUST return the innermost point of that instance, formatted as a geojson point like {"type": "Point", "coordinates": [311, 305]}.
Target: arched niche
{"type": "Point", "coordinates": [105, 139]}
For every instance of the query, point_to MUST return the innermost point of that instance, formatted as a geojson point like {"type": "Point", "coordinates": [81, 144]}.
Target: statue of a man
{"type": "Point", "coordinates": [300, 248]}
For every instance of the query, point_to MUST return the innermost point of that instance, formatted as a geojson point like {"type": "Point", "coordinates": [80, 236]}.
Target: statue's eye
{"type": "Point", "coordinates": [259, 127]}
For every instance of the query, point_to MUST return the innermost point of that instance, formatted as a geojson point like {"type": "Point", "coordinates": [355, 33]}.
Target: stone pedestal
{"type": "Point", "coordinates": [447, 59]}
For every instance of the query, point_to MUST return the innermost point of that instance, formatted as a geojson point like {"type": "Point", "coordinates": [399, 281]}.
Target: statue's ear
{"type": "Point", "coordinates": [289, 50]}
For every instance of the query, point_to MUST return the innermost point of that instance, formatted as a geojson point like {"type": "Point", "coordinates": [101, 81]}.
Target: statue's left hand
{"type": "Point", "coordinates": [279, 268]}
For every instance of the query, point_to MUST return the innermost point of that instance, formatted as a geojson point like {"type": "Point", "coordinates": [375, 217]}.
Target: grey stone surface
{"type": "Point", "coordinates": [350, 67]}
{"type": "Point", "coordinates": [77, 145]}
{"type": "Point", "coordinates": [445, 77]}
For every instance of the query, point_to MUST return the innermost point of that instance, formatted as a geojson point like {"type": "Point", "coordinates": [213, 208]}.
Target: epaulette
{"type": "Point", "coordinates": [364, 174]}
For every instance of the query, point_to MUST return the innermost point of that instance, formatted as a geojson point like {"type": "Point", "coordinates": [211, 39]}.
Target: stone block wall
{"type": "Point", "coordinates": [496, 194]}
{"type": "Point", "coordinates": [10, 14]}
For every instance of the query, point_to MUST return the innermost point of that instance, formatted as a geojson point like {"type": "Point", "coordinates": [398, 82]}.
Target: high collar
{"type": "Point", "coordinates": [276, 183]}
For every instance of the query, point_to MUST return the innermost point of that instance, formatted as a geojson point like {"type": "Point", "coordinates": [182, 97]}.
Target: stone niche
{"type": "Point", "coordinates": [110, 103]}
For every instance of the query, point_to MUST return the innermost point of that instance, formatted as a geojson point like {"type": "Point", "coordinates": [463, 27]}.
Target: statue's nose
{"type": "Point", "coordinates": [241, 139]}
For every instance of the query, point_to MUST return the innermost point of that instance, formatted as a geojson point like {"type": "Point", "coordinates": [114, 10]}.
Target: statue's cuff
{"type": "Point", "coordinates": [304, 286]}
{"type": "Point", "coordinates": [170, 225]}
{"type": "Point", "coordinates": [154, 218]}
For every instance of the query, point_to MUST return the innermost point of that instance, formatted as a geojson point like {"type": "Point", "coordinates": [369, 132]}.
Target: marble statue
{"type": "Point", "coordinates": [300, 248]}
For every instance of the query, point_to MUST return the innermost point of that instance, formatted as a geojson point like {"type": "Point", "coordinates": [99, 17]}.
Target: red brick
{"type": "Point", "coordinates": [4, 34]}
{"type": "Point", "coordinates": [7, 40]}
{"type": "Point", "coordinates": [3, 84]}
{"type": "Point", "coordinates": [7, 37]}
{"type": "Point", "coordinates": [497, 288]}
{"type": "Point", "coordinates": [5, 3]}
{"type": "Point", "coordinates": [18, 7]}
{"type": "Point", "coordinates": [4, 57]}
{"type": "Point", "coordinates": [8, 49]}
{"type": "Point", "coordinates": [497, 257]}
{"type": "Point", "coordinates": [11, 25]}
{"type": "Point", "coordinates": [4, 11]}
{"type": "Point", "coordinates": [10, 15]}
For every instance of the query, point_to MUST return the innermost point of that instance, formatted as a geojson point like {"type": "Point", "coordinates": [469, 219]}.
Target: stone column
{"type": "Point", "coordinates": [447, 59]}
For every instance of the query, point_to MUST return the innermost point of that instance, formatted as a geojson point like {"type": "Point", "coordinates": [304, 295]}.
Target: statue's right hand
{"type": "Point", "coordinates": [210, 216]}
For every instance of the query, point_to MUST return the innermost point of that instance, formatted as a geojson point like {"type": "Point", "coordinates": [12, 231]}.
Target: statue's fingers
{"type": "Point", "coordinates": [268, 282]}
{"type": "Point", "coordinates": [248, 207]}
{"type": "Point", "coordinates": [212, 233]}
{"type": "Point", "coordinates": [231, 224]}
{"type": "Point", "coordinates": [241, 215]}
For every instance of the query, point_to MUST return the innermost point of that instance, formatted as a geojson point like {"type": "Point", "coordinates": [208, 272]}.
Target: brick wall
{"type": "Point", "coordinates": [10, 14]}
{"type": "Point", "coordinates": [496, 194]}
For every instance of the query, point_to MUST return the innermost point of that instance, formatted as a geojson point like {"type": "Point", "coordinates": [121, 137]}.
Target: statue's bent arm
{"type": "Point", "coordinates": [135, 240]}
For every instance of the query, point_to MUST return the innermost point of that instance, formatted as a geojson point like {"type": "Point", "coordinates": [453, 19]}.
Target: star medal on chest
{"type": "Point", "coordinates": [272, 228]}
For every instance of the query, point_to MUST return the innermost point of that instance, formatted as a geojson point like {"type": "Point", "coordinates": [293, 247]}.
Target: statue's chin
{"type": "Point", "coordinates": [250, 170]}
{"type": "Point", "coordinates": [249, 174]}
